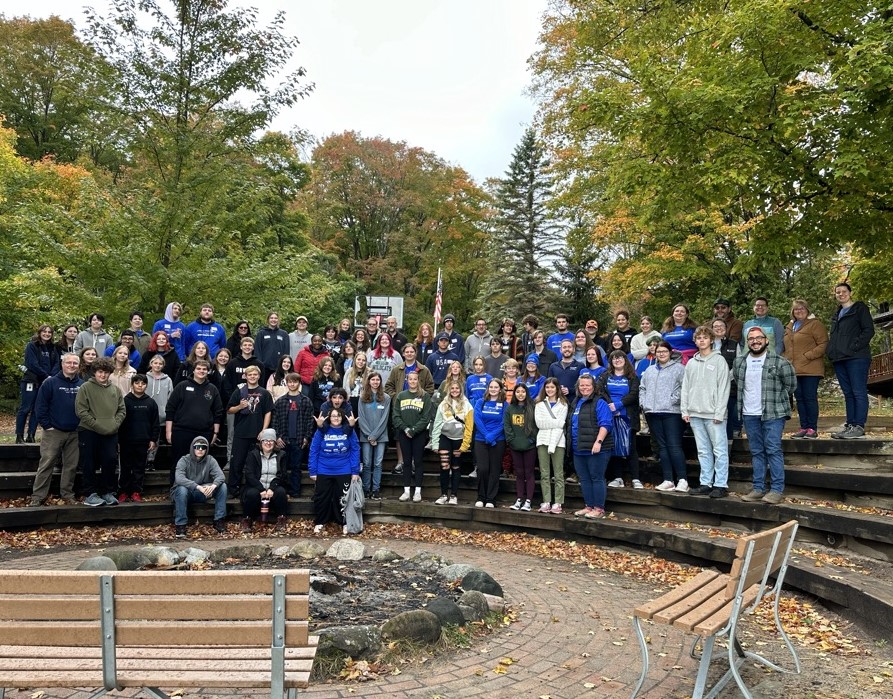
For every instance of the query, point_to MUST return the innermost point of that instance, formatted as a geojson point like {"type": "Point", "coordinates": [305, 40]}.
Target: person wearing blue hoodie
{"type": "Point", "coordinates": [205, 329]}
{"type": "Point", "coordinates": [174, 327]}
{"type": "Point", "coordinates": [334, 463]}
{"type": "Point", "coordinates": [55, 411]}
{"type": "Point", "coordinates": [489, 442]}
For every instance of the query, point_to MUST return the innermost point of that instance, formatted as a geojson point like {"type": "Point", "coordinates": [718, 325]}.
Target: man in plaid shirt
{"type": "Point", "coordinates": [765, 383]}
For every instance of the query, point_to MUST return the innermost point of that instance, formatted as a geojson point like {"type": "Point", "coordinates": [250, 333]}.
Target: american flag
{"type": "Point", "coordinates": [438, 299]}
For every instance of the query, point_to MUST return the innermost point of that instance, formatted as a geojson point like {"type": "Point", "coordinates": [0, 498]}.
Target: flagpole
{"type": "Point", "coordinates": [438, 300]}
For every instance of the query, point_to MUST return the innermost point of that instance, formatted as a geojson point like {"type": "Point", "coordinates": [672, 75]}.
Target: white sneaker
{"type": "Point", "coordinates": [637, 484]}
{"type": "Point", "coordinates": [479, 503]}
{"type": "Point", "coordinates": [418, 496]}
{"type": "Point", "coordinates": [666, 485]}
{"type": "Point", "coordinates": [681, 486]}
{"type": "Point", "coordinates": [516, 506]}
{"type": "Point", "coordinates": [546, 507]}
{"type": "Point", "coordinates": [526, 506]}
{"type": "Point", "coordinates": [473, 474]}
{"type": "Point", "coordinates": [453, 500]}
{"type": "Point", "coordinates": [442, 500]}
{"type": "Point", "coordinates": [490, 505]}
{"type": "Point", "coordinates": [344, 530]}
{"type": "Point", "coordinates": [317, 529]}
{"type": "Point", "coordinates": [616, 483]}
{"type": "Point", "coordinates": [404, 497]}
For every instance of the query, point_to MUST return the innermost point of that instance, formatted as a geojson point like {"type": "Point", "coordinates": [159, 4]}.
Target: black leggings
{"type": "Point", "coordinates": [450, 461]}
{"type": "Point", "coordinates": [489, 461]}
{"type": "Point", "coordinates": [413, 453]}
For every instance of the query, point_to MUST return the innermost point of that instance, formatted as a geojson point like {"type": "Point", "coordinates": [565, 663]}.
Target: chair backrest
{"type": "Point", "coordinates": [760, 556]}
{"type": "Point", "coordinates": [149, 608]}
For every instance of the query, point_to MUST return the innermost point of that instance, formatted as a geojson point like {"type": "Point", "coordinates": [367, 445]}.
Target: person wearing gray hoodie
{"type": "Point", "coordinates": [198, 478]}
{"type": "Point", "coordinates": [705, 397]}
{"type": "Point", "coordinates": [477, 344]}
{"type": "Point", "coordinates": [660, 395]}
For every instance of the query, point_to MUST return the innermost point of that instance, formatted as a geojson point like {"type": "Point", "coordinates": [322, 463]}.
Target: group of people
{"type": "Point", "coordinates": [516, 401]}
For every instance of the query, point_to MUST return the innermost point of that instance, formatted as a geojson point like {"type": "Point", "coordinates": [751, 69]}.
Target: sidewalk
{"type": "Point", "coordinates": [573, 638]}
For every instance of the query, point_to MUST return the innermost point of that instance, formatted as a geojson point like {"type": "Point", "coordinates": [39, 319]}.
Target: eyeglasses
{"type": "Point", "coordinates": [200, 447]}
{"type": "Point", "coordinates": [757, 338]}
{"type": "Point", "coordinates": [268, 441]}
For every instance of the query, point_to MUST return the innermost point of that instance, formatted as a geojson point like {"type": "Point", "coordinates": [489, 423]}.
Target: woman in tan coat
{"type": "Point", "coordinates": [805, 339]}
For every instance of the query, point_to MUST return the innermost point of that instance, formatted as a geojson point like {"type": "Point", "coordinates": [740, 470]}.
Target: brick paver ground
{"type": "Point", "coordinates": [573, 638]}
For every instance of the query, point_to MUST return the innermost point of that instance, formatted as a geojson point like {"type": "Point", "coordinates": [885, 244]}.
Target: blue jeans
{"type": "Point", "coordinates": [591, 472]}
{"type": "Point", "coordinates": [295, 453]}
{"type": "Point", "coordinates": [666, 428]}
{"type": "Point", "coordinates": [764, 438]}
{"type": "Point", "coordinates": [182, 496]}
{"type": "Point", "coordinates": [713, 451]}
{"type": "Point", "coordinates": [733, 422]}
{"type": "Point", "coordinates": [26, 408]}
{"type": "Point", "coordinates": [372, 458]}
{"type": "Point", "coordinates": [807, 399]}
{"type": "Point", "coordinates": [853, 377]}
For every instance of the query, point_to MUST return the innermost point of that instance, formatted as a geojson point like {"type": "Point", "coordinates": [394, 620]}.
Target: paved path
{"type": "Point", "coordinates": [573, 638]}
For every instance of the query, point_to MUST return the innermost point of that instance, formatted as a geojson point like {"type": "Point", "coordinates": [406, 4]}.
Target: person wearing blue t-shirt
{"type": "Point", "coordinates": [489, 442]}
{"type": "Point", "coordinates": [679, 331]}
{"type": "Point", "coordinates": [553, 342]}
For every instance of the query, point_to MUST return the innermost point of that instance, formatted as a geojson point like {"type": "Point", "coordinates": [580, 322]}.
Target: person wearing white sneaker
{"type": "Point", "coordinates": [620, 388]}
{"type": "Point", "coordinates": [681, 486]}
{"type": "Point", "coordinates": [451, 436]}
{"type": "Point", "coordinates": [659, 398]}
{"type": "Point", "coordinates": [334, 463]}
{"type": "Point", "coordinates": [442, 500]}
{"type": "Point", "coordinates": [616, 483]}
{"type": "Point", "coordinates": [546, 507]}
{"type": "Point", "coordinates": [665, 486]}
{"type": "Point", "coordinates": [411, 414]}
{"type": "Point", "coordinates": [489, 440]}
{"type": "Point", "coordinates": [516, 506]}
{"type": "Point", "coordinates": [406, 495]}
{"type": "Point", "coordinates": [704, 403]}
{"type": "Point", "coordinates": [551, 416]}
{"type": "Point", "coordinates": [637, 484]}
{"type": "Point", "coordinates": [490, 505]}
{"type": "Point", "coordinates": [479, 503]}
{"type": "Point", "coordinates": [453, 500]}
{"type": "Point", "coordinates": [417, 495]}
{"type": "Point", "coordinates": [526, 506]}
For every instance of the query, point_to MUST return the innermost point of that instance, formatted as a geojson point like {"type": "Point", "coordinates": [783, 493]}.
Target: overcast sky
{"type": "Point", "coordinates": [448, 77]}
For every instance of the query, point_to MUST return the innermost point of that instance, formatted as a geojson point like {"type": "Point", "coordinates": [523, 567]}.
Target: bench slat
{"type": "Point", "coordinates": [208, 607]}
{"type": "Point", "coordinates": [73, 678]}
{"type": "Point", "coordinates": [209, 582]}
{"type": "Point", "coordinates": [649, 609]}
{"type": "Point", "coordinates": [146, 633]}
{"type": "Point", "coordinates": [71, 607]}
{"type": "Point", "coordinates": [162, 652]}
{"type": "Point", "coordinates": [712, 590]}
{"type": "Point", "coordinates": [717, 621]}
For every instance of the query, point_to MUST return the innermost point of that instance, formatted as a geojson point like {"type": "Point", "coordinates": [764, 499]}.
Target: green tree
{"type": "Point", "coordinates": [578, 267]}
{"type": "Point", "coordinates": [721, 146]}
{"type": "Point", "coordinates": [55, 92]}
{"type": "Point", "coordinates": [196, 85]}
{"type": "Point", "coordinates": [524, 238]}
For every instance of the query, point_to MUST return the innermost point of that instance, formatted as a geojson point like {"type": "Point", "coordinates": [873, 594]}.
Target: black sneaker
{"type": "Point", "coordinates": [180, 531]}
{"type": "Point", "coordinates": [376, 495]}
{"type": "Point", "coordinates": [719, 493]}
{"type": "Point", "coordinates": [398, 469]}
{"type": "Point", "coordinates": [219, 526]}
{"type": "Point", "coordinates": [701, 490]}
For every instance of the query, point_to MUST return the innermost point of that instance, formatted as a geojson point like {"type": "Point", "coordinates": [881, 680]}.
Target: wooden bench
{"type": "Point", "coordinates": [151, 629]}
{"type": "Point", "coordinates": [710, 606]}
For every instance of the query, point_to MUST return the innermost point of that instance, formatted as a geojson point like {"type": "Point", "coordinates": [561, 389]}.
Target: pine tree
{"type": "Point", "coordinates": [575, 267]}
{"type": "Point", "coordinates": [524, 240]}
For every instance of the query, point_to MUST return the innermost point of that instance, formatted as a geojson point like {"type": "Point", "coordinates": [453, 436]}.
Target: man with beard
{"type": "Point", "coordinates": [722, 308]}
{"type": "Point", "coordinates": [766, 381]}
{"type": "Point", "coordinates": [270, 343]}
{"type": "Point", "coordinates": [205, 329]}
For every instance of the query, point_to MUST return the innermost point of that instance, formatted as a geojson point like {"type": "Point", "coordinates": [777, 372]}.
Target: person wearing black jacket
{"type": "Point", "coordinates": [41, 362]}
{"type": "Point", "coordinates": [728, 350]}
{"type": "Point", "coordinates": [849, 351]}
{"type": "Point", "coordinates": [137, 436]}
{"type": "Point", "coordinates": [265, 478]}
{"type": "Point", "coordinates": [193, 410]}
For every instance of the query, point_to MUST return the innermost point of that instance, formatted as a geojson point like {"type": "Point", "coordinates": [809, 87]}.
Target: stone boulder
{"type": "Point", "coordinates": [355, 641]}
{"type": "Point", "coordinates": [280, 552]}
{"type": "Point", "coordinates": [163, 556]}
{"type": "Point", "coordinates": [131, 559]}
{"type": "Point", "coordinates": [469, 613]}
{"type": "Point", "coordinates": [482, 582]}
{"type": "Point", "coordinates": [429, 562]}
{"type": "Point", "coordinates": [240, 552]}
{"type": "Point", "coordinates": [446, 610]}
{"type": "Point", "coordinates": [497, 604]}
{"type": "Point", "coordinates": [193, 555]}
{"type": "Point", "coordinates": [476, 601]}
{"type": "Point", "coordinates": [307, 549]}
{"type": "Point", "coordinates": [457, 571]}
{"type": "Point", "coordinates": [386, 556]}
{"type": "Point", "coordinates": [347, 550]}
{"type": "Point", "coordinates": [97, 563]}
{"type": "Point", "coordinates": [417, 625]}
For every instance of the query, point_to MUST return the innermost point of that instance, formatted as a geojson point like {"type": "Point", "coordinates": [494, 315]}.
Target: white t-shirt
{"type": "Point", "coordinates": [753, 385]}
